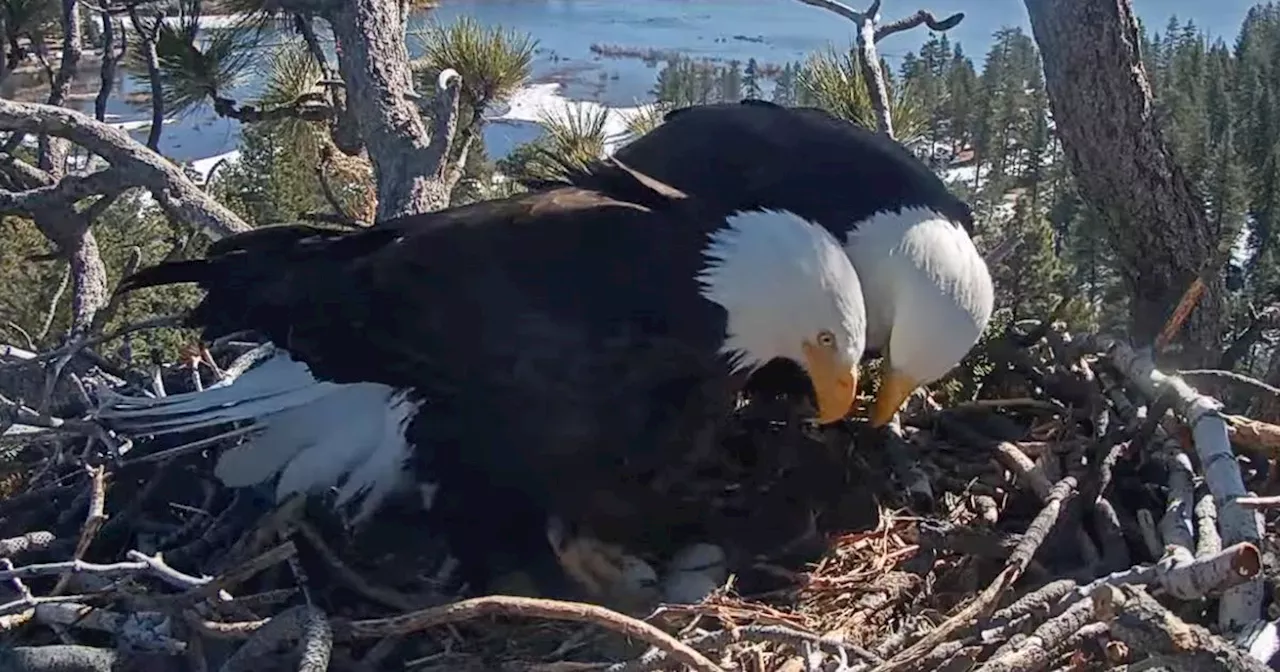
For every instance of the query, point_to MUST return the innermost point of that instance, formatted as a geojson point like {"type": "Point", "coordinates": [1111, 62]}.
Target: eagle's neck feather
{"type": "Point", "coordinates": [780, 279]}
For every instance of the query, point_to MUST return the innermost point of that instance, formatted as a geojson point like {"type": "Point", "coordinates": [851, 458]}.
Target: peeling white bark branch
{"type": "Point", "coordinates": [1241, 604]}
{"type": "Point", "coordinates": [175, 193]}
{"type": "Point", "coordinates": [869, 33]}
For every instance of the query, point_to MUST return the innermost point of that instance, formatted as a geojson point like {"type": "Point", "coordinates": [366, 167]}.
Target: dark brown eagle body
{"type": "Point", "coordinates": [547, 352]}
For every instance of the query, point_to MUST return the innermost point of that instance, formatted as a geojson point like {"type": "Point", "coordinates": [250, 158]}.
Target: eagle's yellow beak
{"type": "Point", "coordinates": [894, 389]}
{"type": "Point", "coordinates": [835, 384]}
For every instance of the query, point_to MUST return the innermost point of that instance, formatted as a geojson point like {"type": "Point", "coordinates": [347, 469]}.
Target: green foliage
{"type": "Point", "coordinates": [28, 288]}
{"type": "Point", "coordinates": [276, 180]}
{"type": "Point", "coordinates": [192, 71]}
{"type": "Point", "coordinates": [32, 19]}
{"type": "Point", "coordinates": [568, 143]}
{"type": "Point", "coordinates": [684, 81]}
{"type": "Point", "coordinates": [493, 62]}
{"type": "Point", "coordinates": [835, 82]}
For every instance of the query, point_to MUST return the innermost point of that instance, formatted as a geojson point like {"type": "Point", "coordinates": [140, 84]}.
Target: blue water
{"type": "Point", "coordinates": [771, 31]}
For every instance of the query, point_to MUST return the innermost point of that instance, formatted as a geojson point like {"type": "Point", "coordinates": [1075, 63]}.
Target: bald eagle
{"type": "Point", "coordinates": [928, 291]}
{"type": "Point", "coordinates": [520, 359]}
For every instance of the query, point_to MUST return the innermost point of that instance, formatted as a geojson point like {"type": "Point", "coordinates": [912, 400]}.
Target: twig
{"type": "Point", "coordinates": [1233, 377]}
{"type": "Point", "coordinates": [154, 565]}
{"type": "Point", "coordinates": [1188, 577]}
{"type": "Point", "coordinates": [237, 576]}
{"type": "Point", "coordinates": [1258, 502]}
{"type": "Point", "coordinates": [93, 519]}
{"type": "Point", "coordinates": [501, 605]}
{"type": "Point", "coordinates": [350, 577]}
{"type": "Point", "coordinates": [88, 341]}
{"type": "Point", "coordinates": [1036, 533]}
{"type": "Point", "coordinates": [1036, 651]}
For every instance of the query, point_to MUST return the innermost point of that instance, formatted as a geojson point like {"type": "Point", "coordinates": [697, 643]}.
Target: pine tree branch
{"type": "Point", "coordinates": [310, 106]}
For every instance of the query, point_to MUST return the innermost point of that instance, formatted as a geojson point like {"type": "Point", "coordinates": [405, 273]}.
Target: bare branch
{"type": "Point", "coordinates": [67, 191]}
{"type": "Point", "coordinates": [180, 198]}
{"type": "Point", "coordinates": [110, 60]}
{"type": "Point", "coordinates": [307, 107]}
{"type": "Point", "coordinates": [148, 35]}
{"type": "Point", "coordinates": [920, 18]}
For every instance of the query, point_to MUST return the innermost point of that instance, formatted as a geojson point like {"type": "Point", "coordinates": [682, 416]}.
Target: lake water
{"type": "Point", "coordinates": [771, 31]}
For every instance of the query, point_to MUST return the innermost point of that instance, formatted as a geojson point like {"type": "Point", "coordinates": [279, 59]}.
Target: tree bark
{"type": "Point", "coordinates": [408, 164]}
{"type": "Point", "coordinates": [1101, 103]}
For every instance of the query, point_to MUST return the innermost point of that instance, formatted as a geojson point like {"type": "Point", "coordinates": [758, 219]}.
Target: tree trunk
{"type": "Point", "coordinates": [1102, 106]}
{"type": "Point", "coordinates": [408, 165]}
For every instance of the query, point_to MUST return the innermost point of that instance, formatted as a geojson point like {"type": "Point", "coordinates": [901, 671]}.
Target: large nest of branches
{"type": "Point", "coordinates": [1084, 512]}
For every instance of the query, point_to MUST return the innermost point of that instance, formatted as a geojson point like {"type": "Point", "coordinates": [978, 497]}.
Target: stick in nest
{"type": "Point", "coordinates": [502, 605]}
{"type": "Point", "coordinates": [93, 521]}
{"type": "Point", "coordinates": [1144, 624]}
{"type": "Point", "coordinates": [987, 600]}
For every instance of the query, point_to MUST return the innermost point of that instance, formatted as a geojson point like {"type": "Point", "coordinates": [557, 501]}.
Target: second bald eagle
{"type": "Point", "coordinates": [927, 290]}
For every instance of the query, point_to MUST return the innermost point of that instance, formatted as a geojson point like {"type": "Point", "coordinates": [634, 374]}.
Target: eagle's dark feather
{"type": "Point", "coordinates": [557, 340]}
{"type": "Point", "coordinates": [756, 154]}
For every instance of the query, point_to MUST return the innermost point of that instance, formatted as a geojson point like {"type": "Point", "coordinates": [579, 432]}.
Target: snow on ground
{"type": "Point", "coordinates": [203, 167]}
{"type": "Point", "coordinates": [540, 102]}
{"type": "Point", "coordinates": [207, 21]}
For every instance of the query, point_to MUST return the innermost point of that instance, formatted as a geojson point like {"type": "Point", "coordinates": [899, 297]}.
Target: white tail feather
{"type": "Point", "coordinates": [312, 433]}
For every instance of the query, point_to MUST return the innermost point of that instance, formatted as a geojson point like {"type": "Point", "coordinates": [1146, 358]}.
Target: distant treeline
{"type": "Point", "coordinates": [653, 55]}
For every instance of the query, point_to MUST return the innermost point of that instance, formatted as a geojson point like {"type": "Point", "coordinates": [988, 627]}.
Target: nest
{"type": "Point", "coordinates": [1066, 519]}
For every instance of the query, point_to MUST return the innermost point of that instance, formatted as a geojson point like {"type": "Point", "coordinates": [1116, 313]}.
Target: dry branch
{"type": "Point", "coordinates": [868, 34]}
{"type": "Point", "coordinates": [531, 608]}
{"type": "Point", "coordinates": [1145, 625]}
{"type": "Point", "coordinates": [1242, 604]}
{"type": "Point", "coordinates": [176, 194]}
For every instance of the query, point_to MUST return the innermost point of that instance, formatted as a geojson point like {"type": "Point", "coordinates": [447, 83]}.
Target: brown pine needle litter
{"type": "Point", "coordinates": [1060, 505]}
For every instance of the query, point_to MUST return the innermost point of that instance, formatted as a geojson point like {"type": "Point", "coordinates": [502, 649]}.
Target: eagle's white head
{"type": "Point", "coordinates": [789, 291]}
{"type": "Point", "coordinates": [934, 297]}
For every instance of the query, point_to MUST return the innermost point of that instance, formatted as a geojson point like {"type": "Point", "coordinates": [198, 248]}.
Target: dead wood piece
{"type": "Point", "coordinates": [502, 605]}
{"type": "Point", "coordinates": [1144, 624]}
{"type": "Point", "coordinates": [1022, 554]}
{"type": "Point", "coordinates": [1034, 605]}
{"type": "Point", "coordinates": [1208, 541]}
{"type": "Point", "coordinates": [303, 624]}
{"type": "Point", "coordinates": [1036, 651]}
{"type": "Point", "coordinates": [141, 631]}
{"type": "Point", "coordinates": [1254, 434]}
{"type": "Point", "coordinates": [94, 519]}
{"type": "Point", "coordinates": [70, 657]}
{"type": "Point", "coordinates": [1242, 604]}
{"type": "Point", "coordinates": [1175, 524]}
{"type": "Point", "coordinates": [31, 541]}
